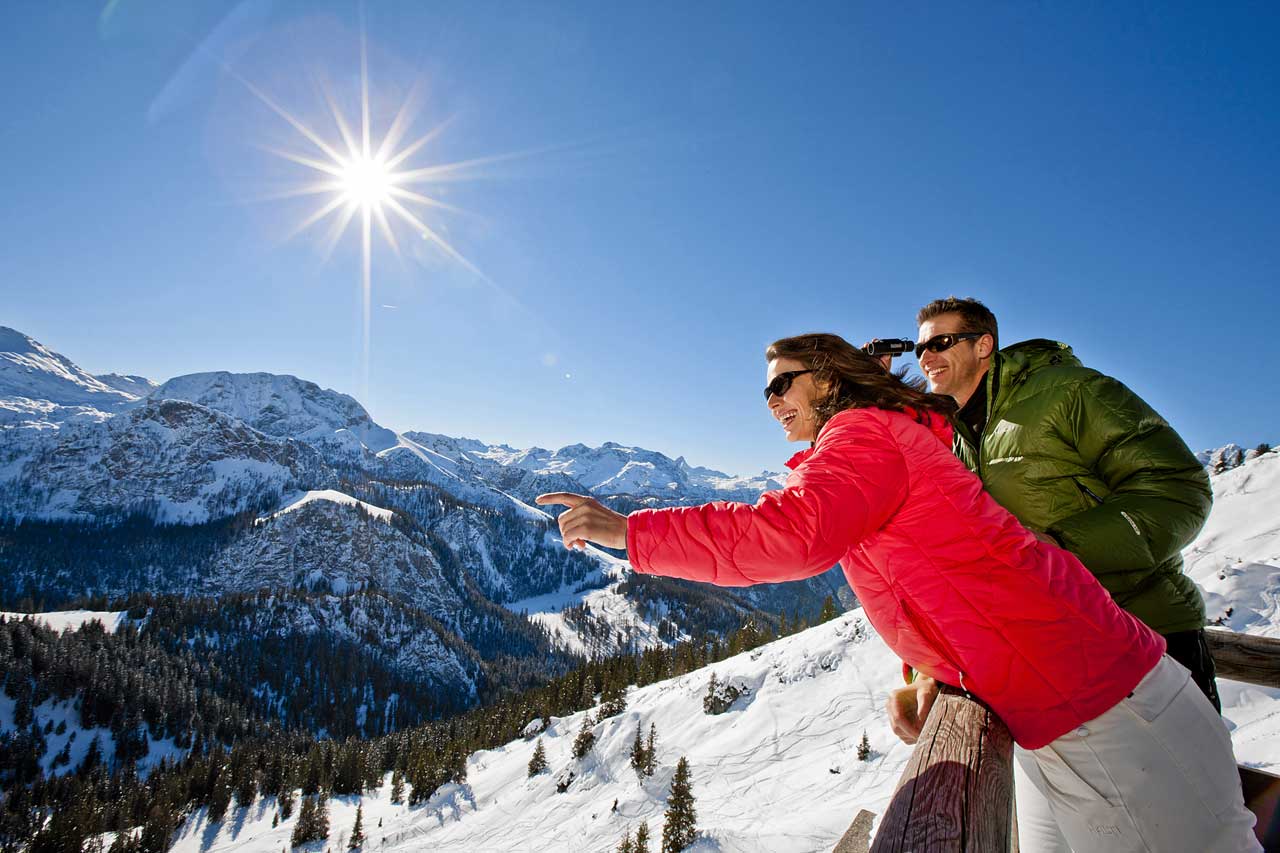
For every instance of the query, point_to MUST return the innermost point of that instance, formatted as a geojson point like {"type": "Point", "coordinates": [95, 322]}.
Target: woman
{"type": "Point", "coordinates": [1131, 755]}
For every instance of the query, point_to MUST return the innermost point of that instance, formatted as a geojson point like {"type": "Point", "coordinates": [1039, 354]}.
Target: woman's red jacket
{"type": "Point", "coordinates": [952, 582]}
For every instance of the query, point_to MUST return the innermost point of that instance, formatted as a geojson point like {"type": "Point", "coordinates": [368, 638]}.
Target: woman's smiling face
{"type": "Point", "coordinates": [794, 407]}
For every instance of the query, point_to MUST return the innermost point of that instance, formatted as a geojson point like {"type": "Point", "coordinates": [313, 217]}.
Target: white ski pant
{"type": "Point", "coordinates": [1155, 773]}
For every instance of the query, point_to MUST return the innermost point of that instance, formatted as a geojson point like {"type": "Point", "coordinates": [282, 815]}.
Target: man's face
{"type": "Point", "coordinates": [956, 371]}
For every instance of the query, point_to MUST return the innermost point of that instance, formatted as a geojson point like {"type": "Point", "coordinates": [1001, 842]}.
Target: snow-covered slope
{"type": "Point", "coordinates": [1236, 558]}
{"type": "Point", "coordinates": [328, 543]}
{"type": "Point", "coordinates": [777, 772]}
{"type": "Point", "coordinates": [62, 620]}
{"type": "Point", "coordinates": [30, 369]}
{"type": "Point", "coordinates": [40, 390]}
{"type": "Point", "coordinates": [292, 502]}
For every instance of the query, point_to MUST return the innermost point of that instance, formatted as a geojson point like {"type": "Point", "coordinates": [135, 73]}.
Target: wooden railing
{"type": "Point", "coordinates": [956, 793]}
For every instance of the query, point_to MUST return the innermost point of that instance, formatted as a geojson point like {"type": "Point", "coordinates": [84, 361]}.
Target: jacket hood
{"type": "Point", "coordinates": [1029, 356]}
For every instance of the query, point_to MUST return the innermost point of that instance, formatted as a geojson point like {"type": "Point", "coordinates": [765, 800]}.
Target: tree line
{"type": "Point", "coordinates": [245, 757]}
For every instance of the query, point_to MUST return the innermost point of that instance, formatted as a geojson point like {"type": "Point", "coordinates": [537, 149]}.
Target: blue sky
{"type": "Point", "coordinates": [691, 181]}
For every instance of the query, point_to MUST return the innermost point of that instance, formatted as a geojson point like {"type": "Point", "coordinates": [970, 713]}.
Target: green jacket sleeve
{"type": "Point", "coordinates": [1153, 494]}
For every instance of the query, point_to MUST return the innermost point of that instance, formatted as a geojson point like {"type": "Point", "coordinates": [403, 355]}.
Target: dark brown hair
{"type": "Point", "coordinates": [857, 380]}
{"type": "Point", "coordinates": [975, 316]}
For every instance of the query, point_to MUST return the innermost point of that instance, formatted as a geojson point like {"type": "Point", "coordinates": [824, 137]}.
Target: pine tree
{"type": "Point", "coordinates": [157, 830]}
{"type": "Point", "coordinates": [92, 757]}
{"type": "Point", "coordinates": [642, 838]}
{"type": "Point", "coordinates": [613, 701]}
{"type": "Point", "coordinates": [680, 828]}
{"type": "Point", "coordinates": [285, 801]}
{"type": "Point", "coordinates": [864, 748]}
{"type": "Point", "coordinates": [357, 831]}
{"type": "Point", "coordinates": [625, 845]}
{"type": "Point", "coordinates": [219, 795]}
{"type": "Point", "coordinates": [322, 817]}
{"type": "Point", "coordinates": [638, 758]}
{"type": "Point", "coordinates": [651, 750]}
{"type": "Point", "coordinates": [586, 738]}
{"type": "Point", "coordinates": [829, 611]}
{"type": "Point", "coordinates": [397, 787]}
{"type": "Point", "coordinates": [313, 820]}
{"type": "Point", "coordinates": [304, 829]}
{"type": "Point", "coordinates": [538, 763]}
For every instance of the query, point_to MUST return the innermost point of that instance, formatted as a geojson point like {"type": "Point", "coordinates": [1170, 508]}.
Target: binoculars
{"type": "Point", "coordinates": [889, 346]}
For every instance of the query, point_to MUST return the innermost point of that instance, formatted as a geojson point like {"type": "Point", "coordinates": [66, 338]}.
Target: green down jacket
{"type": "Point", "coordinates": [1077, 455]}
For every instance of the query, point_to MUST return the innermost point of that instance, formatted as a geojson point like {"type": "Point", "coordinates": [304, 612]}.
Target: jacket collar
{"type": "Point", "coordinates": [1013, 362]}
{"type": "Point", "coordinates": [937, 425]}
{"type": "Point", "coordinates": [794, 462]}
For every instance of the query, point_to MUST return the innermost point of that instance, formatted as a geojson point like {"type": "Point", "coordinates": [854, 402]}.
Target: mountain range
{"type": "Point", "coordinates": [218, 483]}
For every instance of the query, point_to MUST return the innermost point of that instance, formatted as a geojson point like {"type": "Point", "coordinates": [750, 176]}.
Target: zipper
{"type": "Point", "coordinates": [1087, 491]}
{"type": "Point", "coordinates": [993, 387]}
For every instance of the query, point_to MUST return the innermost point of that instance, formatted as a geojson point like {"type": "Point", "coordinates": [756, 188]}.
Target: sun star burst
{"type": "Point", "coordinates": [377, 182]}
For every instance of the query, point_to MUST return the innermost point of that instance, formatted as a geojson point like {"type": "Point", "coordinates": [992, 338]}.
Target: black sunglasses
{"type": "Point", "coordinates": [941, 343]}
{"type": "Point", "coordinates": [781, 383]}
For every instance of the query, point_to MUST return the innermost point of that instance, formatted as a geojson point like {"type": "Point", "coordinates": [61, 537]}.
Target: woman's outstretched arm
{"type": "Point", "coordinates": [848, 488]}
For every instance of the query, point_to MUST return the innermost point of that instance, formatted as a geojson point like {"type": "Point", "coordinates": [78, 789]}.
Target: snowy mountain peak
{"type": "Point", "coordinates": [1229, 456]}
{"type": "Point", "coordinates": [137, 386]}
{"type": "Point", "coordinates": [608, 470]}
{"type": "Point", "coordinates": [285, 407]}
{"type": "Point", "coordinates": [32, 371]}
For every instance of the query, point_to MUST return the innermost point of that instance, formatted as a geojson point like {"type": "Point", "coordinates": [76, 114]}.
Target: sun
{"type": "Point", "coordinates": [366, 182]}
{"type": "Point", "coordinates": [370, 182]}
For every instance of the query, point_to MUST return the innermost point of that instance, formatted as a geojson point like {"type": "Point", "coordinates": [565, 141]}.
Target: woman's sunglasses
{"type": "Point", "coordinates": [941, 343]}
{"type": "Point", "coordinates": [781, 383]}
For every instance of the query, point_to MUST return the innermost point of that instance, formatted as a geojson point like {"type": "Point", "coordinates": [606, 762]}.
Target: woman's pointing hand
{"type": "Point", "coordinates": [585, 520]}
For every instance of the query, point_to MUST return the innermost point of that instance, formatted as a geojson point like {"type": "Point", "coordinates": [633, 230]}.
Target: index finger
{"type": "Point", "coordinates": [568, 499]}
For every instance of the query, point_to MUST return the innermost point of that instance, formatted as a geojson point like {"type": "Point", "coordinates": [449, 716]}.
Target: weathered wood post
{"type": "Point", "coordinates": [1255, 660]}
{"type": "Point", "coordinates": [1245, 657]}
{"type": "Point", "coordinates": [957, 791]}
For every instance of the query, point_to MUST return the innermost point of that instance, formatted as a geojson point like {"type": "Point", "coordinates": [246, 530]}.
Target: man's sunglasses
{"type": "Point", "coordinates": [941, 343]}
{"type": "Point", "coordinates": [781, 383]}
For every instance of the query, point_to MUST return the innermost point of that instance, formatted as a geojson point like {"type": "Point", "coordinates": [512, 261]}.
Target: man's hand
{"type": "Point", "coordinates": [909, 707]}
{"type": "Point", "coordinates": [587, 520]}
{"type": "Point", "coordinates": [886, 361]}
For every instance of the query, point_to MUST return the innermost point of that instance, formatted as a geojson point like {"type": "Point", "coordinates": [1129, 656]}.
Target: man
{"type": "Point", "coordinates": [1081, 460]}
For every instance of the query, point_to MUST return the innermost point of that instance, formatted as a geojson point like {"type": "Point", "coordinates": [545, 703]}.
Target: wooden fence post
{"type": "Point", "coordinates": [956, 793]}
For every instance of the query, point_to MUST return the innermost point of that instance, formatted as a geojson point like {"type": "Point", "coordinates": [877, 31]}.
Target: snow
{"type": "Point", "coordinates": [605, 602]}
{"type": "Point", "coordinates": [72, 620]}
{"type": "Point", "coordinates": [758, 770]}
{"type": "Point", "coordinates": [777, 772]}
{"type": "Point", "coordinates": [73, 738]}
{"type": "Point", "coordinates": [283, 406]}
{"type": "Point", "coordinates": [293, 502]}
{"type": "Point", "coordinates": [1236, 558]}
{"type": "Point", "coordinates": [610, 469]}
{"type": "Point", "coordinates": [30, 369]}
